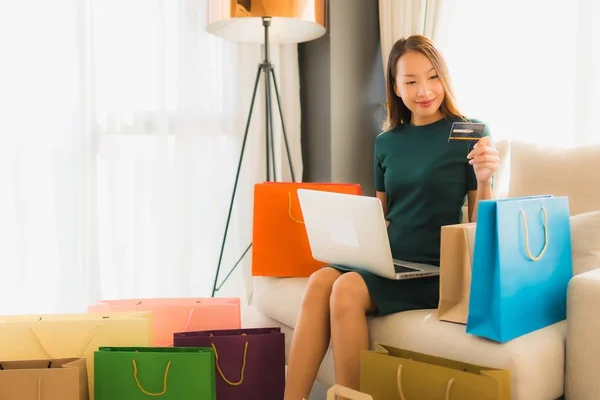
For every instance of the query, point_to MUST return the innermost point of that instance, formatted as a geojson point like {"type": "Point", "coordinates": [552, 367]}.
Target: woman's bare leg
{"type": "Point", "coordinates": [311, 335]}
{"type": "Point", "coordinates": [350, 302]}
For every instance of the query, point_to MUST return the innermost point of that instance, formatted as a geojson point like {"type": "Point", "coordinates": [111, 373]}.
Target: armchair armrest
{"type": "Point", "coordinates": [583, 337]}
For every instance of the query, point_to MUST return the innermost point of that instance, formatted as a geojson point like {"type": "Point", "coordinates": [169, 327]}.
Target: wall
{"type": "Point", "coordinates": [342, 89]}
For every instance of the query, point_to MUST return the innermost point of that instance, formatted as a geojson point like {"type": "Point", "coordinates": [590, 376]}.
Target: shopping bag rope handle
{"type": "Point", "coordinates": [290, 209]}
{"type": "Point", "coordinates": [139, 385]}
{"type": "Point", "coordinates": [527, 249]}
{"type": "Point", "coordinates": [401, 393]}
{"type": "Point", "coordinates": [87, 344]}
{"type": "Point", "coordinates": [243, 364]}
{"type": "Point", "coordinates": [185, 328]}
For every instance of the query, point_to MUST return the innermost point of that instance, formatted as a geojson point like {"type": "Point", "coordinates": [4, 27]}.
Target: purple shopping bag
{"type": "Point", "coordinates": [250, 363]}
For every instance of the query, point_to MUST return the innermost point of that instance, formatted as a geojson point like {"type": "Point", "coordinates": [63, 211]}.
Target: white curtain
{"type": "Point", "coordinates": [530, 69]}
{"type": "Point", "coordinates": [123, 127]}
{"type": "Point", "coordinates": [402, 18]}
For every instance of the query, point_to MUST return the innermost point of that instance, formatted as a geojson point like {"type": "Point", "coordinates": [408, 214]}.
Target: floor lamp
{"type": "Point", "coordinates": [264, 22]}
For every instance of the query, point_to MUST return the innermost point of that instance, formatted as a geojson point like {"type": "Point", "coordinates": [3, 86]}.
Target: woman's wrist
{"type": "Point", "coordinates": [484, 190]}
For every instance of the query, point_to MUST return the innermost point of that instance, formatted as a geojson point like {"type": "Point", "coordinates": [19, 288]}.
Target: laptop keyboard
{"type": "Point", "coordinates": [401, 268]}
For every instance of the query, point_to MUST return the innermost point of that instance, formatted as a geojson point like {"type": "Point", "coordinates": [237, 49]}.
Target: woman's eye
{"type": "Point", "coordinates": [434, 77]}
{"type": "Point", "coordinates": [410, 83]}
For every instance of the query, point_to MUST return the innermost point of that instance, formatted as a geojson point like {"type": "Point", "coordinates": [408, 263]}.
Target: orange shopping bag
{"type": "Point", "coordinates": [279, 242]}
{"type": "Point", "coordinates": [174, 315]}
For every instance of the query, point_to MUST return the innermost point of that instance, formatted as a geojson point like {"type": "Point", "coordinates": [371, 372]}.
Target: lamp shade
{"type": "Point", "coordinates": [292, 21]}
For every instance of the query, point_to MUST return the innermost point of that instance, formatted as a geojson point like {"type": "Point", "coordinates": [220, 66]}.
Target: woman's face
{"type": "Point", "coordinates": [419, 87]}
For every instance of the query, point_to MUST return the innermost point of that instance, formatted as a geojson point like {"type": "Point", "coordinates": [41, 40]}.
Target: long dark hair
{"type": "Point", "coordinates": [397, 112]}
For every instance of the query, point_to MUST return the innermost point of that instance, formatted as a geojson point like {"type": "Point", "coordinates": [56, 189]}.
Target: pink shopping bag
{"type": "Point", "coordinates": [171, 315]}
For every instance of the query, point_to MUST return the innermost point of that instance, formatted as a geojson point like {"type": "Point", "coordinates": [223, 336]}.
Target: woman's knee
{"type": "Point", "coordinates": [320, 284]}
{"type": "Point", "coordinates": [349, 293]}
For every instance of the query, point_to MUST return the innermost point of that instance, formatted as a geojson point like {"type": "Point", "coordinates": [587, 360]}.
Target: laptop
{"type": "Point", "coordinates": [350, 230]}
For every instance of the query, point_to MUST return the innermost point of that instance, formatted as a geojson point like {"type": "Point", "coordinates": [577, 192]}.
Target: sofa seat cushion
{"type": "Point", "coordinates": [536, 360]}
{"type": "Point", "coordinates": [279, 298]}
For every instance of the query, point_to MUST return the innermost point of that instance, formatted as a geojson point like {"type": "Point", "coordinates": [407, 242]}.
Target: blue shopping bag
{"type": "Point", "coordinates": [521, 266]}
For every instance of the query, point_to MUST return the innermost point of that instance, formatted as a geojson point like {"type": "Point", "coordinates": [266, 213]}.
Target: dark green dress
{"type": "Point", "coordinates": [426, 180]}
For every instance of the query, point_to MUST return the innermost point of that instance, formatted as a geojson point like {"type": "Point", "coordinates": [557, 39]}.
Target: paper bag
{"type": "Point", "coordinates": [348, 393]}
{"type": "Point", "coordinates": [250, 363]}
{"type": "Point", "coordinates": [34, 337]}
{"type": "Point", "coordinates": [456, 257]}
{"type": "Point", "coordinates": [389, 373]}
{"type": "Point", "coordinates": [61, 379]}
{"type": "Point", "coordinates": [522, 265]}
{"type": "Point", "coordinates": [280, 244]}
{"type": "Point", "coordinates": [180, 314]}
{"type": "Point", "coordinates": [168, 373]}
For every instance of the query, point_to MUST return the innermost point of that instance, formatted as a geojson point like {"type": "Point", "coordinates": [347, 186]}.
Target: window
{"type": "Point", "coordinates": [527, 68]}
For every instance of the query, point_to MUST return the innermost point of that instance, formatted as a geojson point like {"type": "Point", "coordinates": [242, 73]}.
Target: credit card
{"type": "Point", "coordinates": [470, 131]}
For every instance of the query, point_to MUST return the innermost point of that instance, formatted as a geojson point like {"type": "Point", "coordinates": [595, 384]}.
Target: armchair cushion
{"type": "Point", "coordinates": [585, 241]}
{"type": "Point", "coordinates": [537, 169]}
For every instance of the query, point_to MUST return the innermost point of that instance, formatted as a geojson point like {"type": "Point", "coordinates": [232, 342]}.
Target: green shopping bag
{"type": "Point", "coordinates": [171, 373]}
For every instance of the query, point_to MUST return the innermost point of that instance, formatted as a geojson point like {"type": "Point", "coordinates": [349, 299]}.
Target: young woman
{"type": "Point", "coordinates": [422, 181]}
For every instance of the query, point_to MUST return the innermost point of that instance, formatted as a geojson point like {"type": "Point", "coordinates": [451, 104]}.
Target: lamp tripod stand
{"type": "Point", "coordinates": [266, 68]}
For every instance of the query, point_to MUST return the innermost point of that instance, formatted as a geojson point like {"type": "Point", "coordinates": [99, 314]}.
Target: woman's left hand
{"type": "Point", "coordinates": [485, 159]}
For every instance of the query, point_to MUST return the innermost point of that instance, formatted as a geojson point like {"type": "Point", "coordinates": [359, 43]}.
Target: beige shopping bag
{"type": "Point", "coordinates": [350, 394]}
{"type": "Point", "coordinates": [456, 258]}
{"type": "Point", "coordinates": [62, 379]}
{"type": "Point", "coordinates": [34, 337]}
{"type": "Point", "coordinates": [389, 373]}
